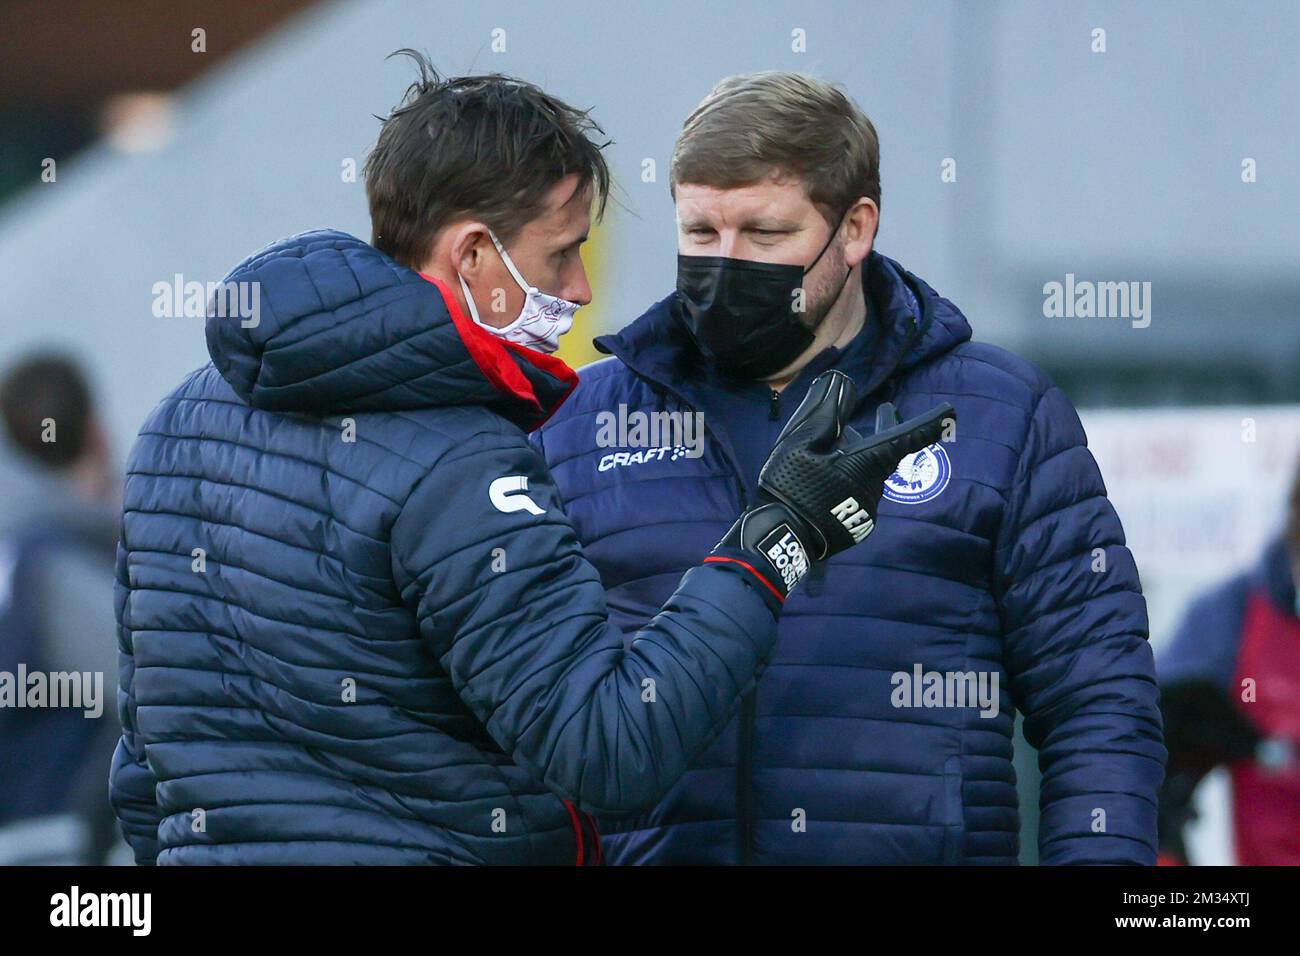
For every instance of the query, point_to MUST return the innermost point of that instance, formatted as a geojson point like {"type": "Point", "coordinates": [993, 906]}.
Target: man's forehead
{"type": "Point", "coordinates": [768, 201]}
{"type": "Point", "coordinates": [566, 215]}
{"type": "Point", "coordinates": [569, 194]}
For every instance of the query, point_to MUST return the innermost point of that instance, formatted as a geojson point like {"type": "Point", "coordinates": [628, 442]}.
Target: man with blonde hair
{"type": "Point", "coordinates": [882, 731]}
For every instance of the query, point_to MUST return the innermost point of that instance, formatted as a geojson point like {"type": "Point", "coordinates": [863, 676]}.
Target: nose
{"type": "Point", "coordinates": [578, 289]}
{"type": "Point", "coordinates": [727, 240]}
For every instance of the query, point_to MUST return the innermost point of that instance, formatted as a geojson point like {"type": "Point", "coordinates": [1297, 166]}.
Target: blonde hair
{"type": "Point", "coordinates": [754, 126]}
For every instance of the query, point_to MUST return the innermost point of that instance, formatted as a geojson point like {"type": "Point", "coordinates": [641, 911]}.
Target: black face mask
{"type": "Point", "coordinates": [741, 312]}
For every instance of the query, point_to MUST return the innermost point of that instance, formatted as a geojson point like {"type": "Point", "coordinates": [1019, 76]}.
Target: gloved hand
{"type": "Point", "coordinates": [820, 488]}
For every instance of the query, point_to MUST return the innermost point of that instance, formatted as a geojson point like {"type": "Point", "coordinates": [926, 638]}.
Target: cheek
{"type": "Point", "coordinates": [505, 296]}
{"type": "Point", "coordinates": [826, 282]}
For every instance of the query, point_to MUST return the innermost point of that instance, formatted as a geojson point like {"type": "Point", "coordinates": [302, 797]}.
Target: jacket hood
{"type": "Point", "coordinates": [658, 346]}
{"type": "Point", "coordinates": [324, 323]}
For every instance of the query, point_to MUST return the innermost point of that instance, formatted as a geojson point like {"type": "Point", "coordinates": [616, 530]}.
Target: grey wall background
{"type": "Point", "coordinates": [1117, 165]}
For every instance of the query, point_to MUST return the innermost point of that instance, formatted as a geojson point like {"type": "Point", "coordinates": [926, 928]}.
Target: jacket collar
{"type": "Point", "coordinates": [345, 328]}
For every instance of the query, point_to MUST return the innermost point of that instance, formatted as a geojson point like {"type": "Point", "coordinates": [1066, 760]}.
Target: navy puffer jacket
{"type": "Point", "coordinates": [355, 624]}
{"type": "Point", "coordinates": [997, 555]}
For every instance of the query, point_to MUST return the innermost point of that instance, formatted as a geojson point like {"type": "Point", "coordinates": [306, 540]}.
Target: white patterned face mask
{"type": "Point", "coordinates": [541, 322]}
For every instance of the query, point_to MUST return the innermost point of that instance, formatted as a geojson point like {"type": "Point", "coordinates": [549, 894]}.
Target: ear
{"type": "Point", "coordinates": [466, 248]}
{"type": "Point", "coordinates": [860, 224]}
{"type": "Point", "coordinates": [460, 247]}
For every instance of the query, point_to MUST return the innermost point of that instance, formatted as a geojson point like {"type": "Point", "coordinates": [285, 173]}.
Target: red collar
{"type": "Point", "coordinates": [492, 355]}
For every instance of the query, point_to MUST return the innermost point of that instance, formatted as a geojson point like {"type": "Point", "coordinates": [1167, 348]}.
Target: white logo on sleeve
{"type": "Point", "coordinates": [783, 549]}
{"type": "Point", "coordinates": [508, 494]}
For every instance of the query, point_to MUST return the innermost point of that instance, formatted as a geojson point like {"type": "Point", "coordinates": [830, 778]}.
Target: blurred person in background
{"type": "Point", "coordinates": [1002, 561]}
{"type": "Point", "coordinates": [1230, 689]}
{"type": "Point", "coordinates": [356, 625]}
{"type": "Point", "coordinates": [58, 525]}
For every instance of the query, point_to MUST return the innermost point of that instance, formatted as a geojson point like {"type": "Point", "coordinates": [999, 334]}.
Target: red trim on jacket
{"type": "Point", "coordinates": [577, 829]}
{"type": "Point", "coordinates": [753, 570]}
{"type": "Point", "coordinates": [492, 355]}
{"type": "Point", "coordinates": [595, 835]}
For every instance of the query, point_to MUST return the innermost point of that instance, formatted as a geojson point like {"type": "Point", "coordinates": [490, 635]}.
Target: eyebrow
{"type": "Point", "coordinates": [754, 222]}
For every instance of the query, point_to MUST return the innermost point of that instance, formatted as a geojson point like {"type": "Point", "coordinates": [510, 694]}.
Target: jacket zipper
{"type": "Point", "coordinates": [745, 743]}
{"type": "Point", "coordinates": [748, 703]}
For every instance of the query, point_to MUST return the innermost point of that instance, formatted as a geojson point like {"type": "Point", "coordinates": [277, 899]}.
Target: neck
{"type": "Point", "coordinates": [844, 321]}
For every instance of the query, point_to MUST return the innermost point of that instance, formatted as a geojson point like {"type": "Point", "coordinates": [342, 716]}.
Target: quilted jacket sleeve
{"type": "Point", "coordinates": [131, 782]}
{"type": "Point", "coordinates": [485, 554]}
{"type": "Point", "coordinates": [1076, 651]}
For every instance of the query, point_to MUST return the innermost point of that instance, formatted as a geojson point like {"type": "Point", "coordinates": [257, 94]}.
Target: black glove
{"type": "Point", "coordinates": [820, 488]}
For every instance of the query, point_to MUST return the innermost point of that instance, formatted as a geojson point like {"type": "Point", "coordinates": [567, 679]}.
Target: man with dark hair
{"type": "Point", "coordinates": [882, 732]}
{"type": "Point", "coordinates": [520, 140]}
{"type": "Point", "coordinates": [57, 530]}
{"type": "Point", "coordinates": [355, 622]}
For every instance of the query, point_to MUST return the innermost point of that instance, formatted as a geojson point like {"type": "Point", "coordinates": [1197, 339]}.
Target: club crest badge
{"type": "Point", "coordinates": [920, 476]}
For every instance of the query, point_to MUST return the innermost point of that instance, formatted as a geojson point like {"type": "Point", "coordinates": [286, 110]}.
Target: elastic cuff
{"type": "Point", "coordinates": [753, 569]}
